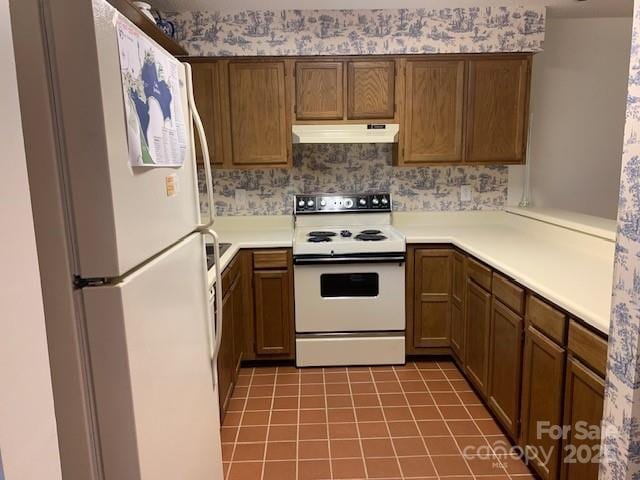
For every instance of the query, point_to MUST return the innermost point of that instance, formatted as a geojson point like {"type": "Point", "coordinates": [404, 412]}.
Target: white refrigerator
{"type": "Point", "coordinates": [134, 369]}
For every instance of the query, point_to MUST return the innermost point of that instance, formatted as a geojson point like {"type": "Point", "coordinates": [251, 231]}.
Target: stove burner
{"type": "Point", "coordinates": [320, 233]}
{"type": "Point", "coordinates": [370, 232]}
{"type": "Point", "coordinates": [318, 239]}
{"type": "Point", "coordinates": [370, 237]}
{"type": "Point", "coordinates": [345, 233]}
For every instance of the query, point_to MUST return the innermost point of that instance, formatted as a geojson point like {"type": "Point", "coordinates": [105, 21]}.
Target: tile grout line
{"type": "Point", "coordinates": [482, 434]}
{"type": "Point", "coordinates": [355, 419]}
{"type": "Point", "coordinates": [386, 424]}
{"type": "Point", "coordinates": [404, 394]}
{"type": "Point", "coordinates": [326, 414]}
{"type": "Point", "coordinates": [244, 409]}
{"type": "Point", "coordinates": [266, 440]}
{"type": "Point", "coordinates": [445, 421]}
{"type": "Point", "coordinates": [298, 427]}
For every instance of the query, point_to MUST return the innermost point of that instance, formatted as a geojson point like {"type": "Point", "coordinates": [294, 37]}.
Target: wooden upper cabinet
{"type": "Point", "coordinates": [497, 111]}
{"type": "Point", "coordinates": [319, 91]}
{"type": "Point", "coordinates": [258, 116]}
{"type": "Point", "coordinates": [434, 106]}
{"type": "Point", "coordinates": [370, 90]}
{"type": "Point", "coordinates": [206, 92]}
{"type": "Point", "coordinates": [432, 303]}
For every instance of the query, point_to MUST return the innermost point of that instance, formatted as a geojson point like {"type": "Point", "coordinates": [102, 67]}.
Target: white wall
{"type": "Point", "coordinates": [28, 438]}
{"type": "Point", "coordinates": [578, 94]}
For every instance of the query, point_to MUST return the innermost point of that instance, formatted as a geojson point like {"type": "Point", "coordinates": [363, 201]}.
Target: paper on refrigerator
{"type": "Point", "coordinates": [156, 132]}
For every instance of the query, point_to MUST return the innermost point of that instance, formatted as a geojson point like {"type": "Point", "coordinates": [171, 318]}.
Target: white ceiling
{"type": "Point", "coordinates": [557, 8]}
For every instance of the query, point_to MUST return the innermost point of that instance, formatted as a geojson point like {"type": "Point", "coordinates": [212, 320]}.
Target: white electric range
{"type": "Point", "coordinates": [349, 281]}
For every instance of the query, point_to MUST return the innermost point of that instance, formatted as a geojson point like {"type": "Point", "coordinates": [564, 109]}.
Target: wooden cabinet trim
{"type": "Point", "coordinates": [547, 319]}
{"type": "Point", "coordinates": [588, 347]}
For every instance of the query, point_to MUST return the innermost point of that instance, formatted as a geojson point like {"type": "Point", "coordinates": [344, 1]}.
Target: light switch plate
{"type": "Point", "coordinates": [465, 193]}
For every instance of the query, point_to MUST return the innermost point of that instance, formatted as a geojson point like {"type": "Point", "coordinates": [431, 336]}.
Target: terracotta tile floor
{"type": "Point", "coordinates": [412, 421]}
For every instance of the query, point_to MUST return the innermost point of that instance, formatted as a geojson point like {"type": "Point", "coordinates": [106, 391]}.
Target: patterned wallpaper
{"type": "Point", "coordinates": [621, 435]}
{"type": "Point", "coordinates": [358, 32]}
{"type": "Point", "coordinates": [352, 168]}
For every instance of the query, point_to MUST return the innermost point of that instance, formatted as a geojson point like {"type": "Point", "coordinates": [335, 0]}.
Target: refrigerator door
{"type": "Point", "coordinates": [156, 402]}
{"type": "Point", "coordinates": [122, 215]}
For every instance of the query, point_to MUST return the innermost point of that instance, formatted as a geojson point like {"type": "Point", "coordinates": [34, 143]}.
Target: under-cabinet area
{"type": "Point", "coordinates": [450, 109]}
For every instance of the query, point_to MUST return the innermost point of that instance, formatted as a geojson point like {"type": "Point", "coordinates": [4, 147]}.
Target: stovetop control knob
{"type": "Point", "coordinates": [362, 202]}
{"type": "Point", "coordinates": [384, 201]}
{"type": "Point", "coordinates": [375, 201]}
{"type": "Point", "coordinates": [301, 203]}
{"type": "Point", "coordinates": [310, 203]}
{"type": "Point", "coordinates": [348, 203]}
{"type": "Point", "coordinates": [323, 202]}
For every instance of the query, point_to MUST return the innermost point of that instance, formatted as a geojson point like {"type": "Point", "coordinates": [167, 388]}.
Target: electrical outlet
{"type": "Point", "coordinates": [241, 198]}
{"type": "Point", "coordinates": [465, 193]}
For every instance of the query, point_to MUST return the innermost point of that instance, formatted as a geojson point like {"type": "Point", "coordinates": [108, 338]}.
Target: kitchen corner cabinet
{"type": "Point", "coordinates": [429, 326]}
{"type": "Point", "coordinates": [206, 92]}
{"type": "Point", "coordinates": [433, 112]}
{"type": "Point", "coordinates": [498, 90]}
{"type": "Point", "coordinates": [273, 304]}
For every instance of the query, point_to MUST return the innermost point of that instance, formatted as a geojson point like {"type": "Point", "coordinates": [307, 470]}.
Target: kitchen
{"type": "Point", "coordinates": [409, 275]}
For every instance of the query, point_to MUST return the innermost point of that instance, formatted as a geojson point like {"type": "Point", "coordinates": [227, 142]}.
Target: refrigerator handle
{"type": "Point", "coordinates": [216, 323]}
{"type": "Point", "coordinates": [195, 116]}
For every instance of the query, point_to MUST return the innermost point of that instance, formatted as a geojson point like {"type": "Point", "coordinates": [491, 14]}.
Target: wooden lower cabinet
{"type": "Point", "coordinates": [542, 390]}
{"type": "Point", "coordinates": [272, 312]}
{"type": "Point", "coordinates": [478, 320]}
{"type": "Point", "coordinates": [432, 302]}
{"type": "Point", "coordinates": [458, 324]}
{"type": "Point", "coordinates": [505, 361]}
{"type": "Point", "coordinates": [583, 405]}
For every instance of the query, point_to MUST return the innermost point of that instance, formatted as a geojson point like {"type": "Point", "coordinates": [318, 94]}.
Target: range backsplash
{"type": "Point", "coordinates": [355, 168]}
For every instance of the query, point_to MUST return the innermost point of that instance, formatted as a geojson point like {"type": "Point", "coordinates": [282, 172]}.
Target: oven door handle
{"type": "Point", "coordinates": [337, 259]}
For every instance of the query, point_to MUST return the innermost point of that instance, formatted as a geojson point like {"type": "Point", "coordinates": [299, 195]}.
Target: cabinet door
{"type": "Point", "coordinates": [434, 102]}
{"type": "Point", "coordinates": [478, 303]}
{"type": "Point", "coordinates": [273, 312]}
{"type": "Point", "coordinates": [457, 307]}
{"type": "Point", "coordinates": [238, 326]}
{"type": "Point", "coordinates": [505, 360]}
{"type": "Point", "coordinates": [319, 91]}
{"type": "Point", "coordinates": [370, 90]}
{"type": "Point", "coordinates": [432, 317]}
{"type": "Point", "coordinates": [206, 92]}
{"type": "Point", "coordinates": [583, 402]}
{"type": "Point", "coordinates": [542, 388]}
{"type": "Point", "coordinates": [497, 117]}
{"type": "Point", "coordinates": [258, 114]}
{"type": "Point", "coordinates": [225, 355]}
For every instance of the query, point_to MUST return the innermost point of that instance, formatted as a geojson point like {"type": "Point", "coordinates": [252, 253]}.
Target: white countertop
{"type": "Point", "coordinates": [546, 251]}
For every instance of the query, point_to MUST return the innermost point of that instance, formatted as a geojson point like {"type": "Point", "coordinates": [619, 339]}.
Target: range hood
{"type": "Point", "coordinates": [346, 133]}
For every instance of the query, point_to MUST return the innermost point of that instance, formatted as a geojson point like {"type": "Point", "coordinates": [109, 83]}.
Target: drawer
{"type": "Point", "coordinates": [508, 293]}
{"type": "Point", "coordinates": [588, 347]}
{"type": "Point", "coordinates": [479, 273]}
{"type": "Point", "coordinates": [547, 319]}
{"type": "Point", "coordinates": [267, 259]}
{"type": "Point", "coordinates": [230, 274]}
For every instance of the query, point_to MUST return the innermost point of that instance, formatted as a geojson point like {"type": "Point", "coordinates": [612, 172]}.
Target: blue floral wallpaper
{"type": "Point", "coordinates": [356, 168]}
{"type": "Point", "coordinates": [621, 434]}
{"type": "Point", "coordinates": [358, 32]}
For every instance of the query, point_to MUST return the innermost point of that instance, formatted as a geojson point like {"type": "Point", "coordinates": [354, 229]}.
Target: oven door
{"type": "Point", "coordinates": [349, 296]}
